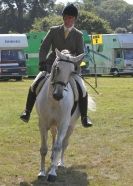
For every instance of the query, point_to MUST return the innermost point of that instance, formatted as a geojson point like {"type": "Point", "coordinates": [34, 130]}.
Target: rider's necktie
{"type": "Point", "coordinates": [66, 33]}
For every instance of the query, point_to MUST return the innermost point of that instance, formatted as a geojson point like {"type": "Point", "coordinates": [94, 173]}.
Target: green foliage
{"type": "Point", "coordinates": [92, 23]}
{"type": "Point", "coordinates": [130, 26]}
{"type": "Point", "coordinates": [86, 21]}
{"type": "Point", "coordinates": [117, 12]}
{"type": "Point", "coordinates": [87, 5]}
{"type": "Point", "coordinates": [18, 16]}
{"type": "Point", "coordinates": [45, 23]}
{"type": "Point", "coordinates": [58, 9]}
{"type": "Point", "coordinates": [120, 30]}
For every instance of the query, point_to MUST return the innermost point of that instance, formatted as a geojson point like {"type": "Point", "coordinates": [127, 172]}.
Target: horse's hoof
{"type": "Point", "coordinates": [51, 178]}
{"type": "Point", "coordinates": [41, 177]}
{"type": "Point", "coordinates": [60, 165]}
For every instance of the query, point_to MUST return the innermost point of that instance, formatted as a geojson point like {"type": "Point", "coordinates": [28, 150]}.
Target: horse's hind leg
{"type": "Point", "coordinates": [43, 149]}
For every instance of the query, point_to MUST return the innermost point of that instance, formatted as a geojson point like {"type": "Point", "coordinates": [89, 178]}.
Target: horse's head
{"type": "Point", "coordinates": [62, 70]}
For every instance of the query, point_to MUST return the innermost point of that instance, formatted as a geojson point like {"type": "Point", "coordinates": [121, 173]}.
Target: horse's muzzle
{"type": "Point", "coordinates": [57, 96]}
{"type": "Point", "coordinates": [58, 90]}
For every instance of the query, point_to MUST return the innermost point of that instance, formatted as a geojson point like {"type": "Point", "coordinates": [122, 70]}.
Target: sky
{"type": "Point", "coordinates": [66, 1]}
{"type": "Point", "coordinates": [129, 1]}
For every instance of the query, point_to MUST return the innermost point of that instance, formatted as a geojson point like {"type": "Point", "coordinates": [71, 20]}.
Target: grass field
{"type": "Point", "coordinates": [98, 156]}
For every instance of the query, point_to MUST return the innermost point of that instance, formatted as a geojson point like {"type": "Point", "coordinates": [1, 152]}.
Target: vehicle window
{"type": "Point", "coordinates": [21, 55]}
{"type": "Point", "coordinates": [118, 53]}
{"type": "Point", "coordinates": [11, 55]}
{"type": "Point", "coordinates": [128, 54]}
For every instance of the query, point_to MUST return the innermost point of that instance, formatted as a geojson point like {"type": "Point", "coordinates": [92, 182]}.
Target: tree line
{"type": "Point", "coordinates": [96, 16]}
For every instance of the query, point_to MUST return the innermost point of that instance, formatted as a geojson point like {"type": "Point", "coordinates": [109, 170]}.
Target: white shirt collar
{"type": "Point", "coordinates": [68, 29]}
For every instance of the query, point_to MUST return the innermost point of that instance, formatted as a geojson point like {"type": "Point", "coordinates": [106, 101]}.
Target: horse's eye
{"type": "Point", "coordinates": [57, 69]}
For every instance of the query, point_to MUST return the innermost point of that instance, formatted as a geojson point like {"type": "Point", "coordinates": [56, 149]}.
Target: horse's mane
{"type": "Point", "coordinates": [67, 53]}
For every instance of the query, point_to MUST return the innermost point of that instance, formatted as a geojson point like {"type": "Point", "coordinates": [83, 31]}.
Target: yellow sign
{"type": "Point", "coordinates": [97, 39]}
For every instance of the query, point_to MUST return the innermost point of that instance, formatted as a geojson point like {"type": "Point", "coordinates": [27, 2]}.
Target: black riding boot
{"type": "Point", "coordinates": [25, 116]}
{"type": "Point", "coordinates": [83, 106]}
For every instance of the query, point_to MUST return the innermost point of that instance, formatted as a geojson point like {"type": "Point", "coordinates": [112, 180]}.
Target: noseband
{"type": "Point", "coordinates": [60, 82]}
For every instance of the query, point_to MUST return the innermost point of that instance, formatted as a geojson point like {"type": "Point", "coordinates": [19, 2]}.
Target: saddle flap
{"type": "Point", "coordinates": [74, 89]}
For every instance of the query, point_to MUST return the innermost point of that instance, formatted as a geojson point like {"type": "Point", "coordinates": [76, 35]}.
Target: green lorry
{"type": "Point", "coordinates": [32, 52]}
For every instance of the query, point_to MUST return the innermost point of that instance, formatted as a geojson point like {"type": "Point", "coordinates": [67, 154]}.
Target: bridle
{"type": "Point", "coordinates": [65, 60]}
{"type": "Point", "coordinates": [60, 82]}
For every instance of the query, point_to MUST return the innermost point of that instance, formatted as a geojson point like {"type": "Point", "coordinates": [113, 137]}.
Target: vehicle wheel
{"type": "Point", "coordinates": [5, 79]}
{"type": "Point", "coordinates": [114, 72]}
{"type": "Point", "coordinates": [19, 78]}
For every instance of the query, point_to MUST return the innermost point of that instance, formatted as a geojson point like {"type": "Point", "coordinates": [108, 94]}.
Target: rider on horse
{"type": "Point", "coordinates": [62, 37]}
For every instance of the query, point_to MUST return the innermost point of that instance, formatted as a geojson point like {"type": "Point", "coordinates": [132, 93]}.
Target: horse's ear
{"type": "Point", "coordinates": [79, 57]}
{"type": "Point", "coordinates": [58, 53]}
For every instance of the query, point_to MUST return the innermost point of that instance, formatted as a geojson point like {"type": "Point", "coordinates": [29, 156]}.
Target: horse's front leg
{"type": "Point", "coordinates": [53, 130]}
{"type": "Point", "coordinates": [65, 144]}
{"type": "Point", "coordinates": [62, 130]}
{"type": "Point", "coordinates": [43, 150]}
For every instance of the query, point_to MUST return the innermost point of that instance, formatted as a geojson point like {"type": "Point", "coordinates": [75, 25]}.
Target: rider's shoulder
{"type": "Point", "coordinates": [56, 28]}
{"type": "Point", "coordinates": [78, 32]}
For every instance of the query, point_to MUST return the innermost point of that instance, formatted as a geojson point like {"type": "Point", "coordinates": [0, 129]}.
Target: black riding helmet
{"type": "Point", "coordinates": [70, 10]}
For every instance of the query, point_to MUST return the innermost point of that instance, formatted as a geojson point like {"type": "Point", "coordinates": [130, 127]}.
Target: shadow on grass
{"type": "Point", "coordinates": [72, 176]}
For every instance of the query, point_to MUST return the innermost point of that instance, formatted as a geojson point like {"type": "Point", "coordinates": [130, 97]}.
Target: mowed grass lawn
{"type": "Point", "coordinates": [97, 156]}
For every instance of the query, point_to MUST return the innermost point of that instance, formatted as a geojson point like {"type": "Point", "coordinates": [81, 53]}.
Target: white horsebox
{"type": "Point", "coordinates": [12, 58]}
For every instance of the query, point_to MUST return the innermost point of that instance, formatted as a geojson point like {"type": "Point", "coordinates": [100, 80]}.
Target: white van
{"type": "Point", "coordinates": [12, 57]}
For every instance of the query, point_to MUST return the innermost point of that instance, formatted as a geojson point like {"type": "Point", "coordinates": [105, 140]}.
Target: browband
{"type": "Point", "coordinates": [65, 60]}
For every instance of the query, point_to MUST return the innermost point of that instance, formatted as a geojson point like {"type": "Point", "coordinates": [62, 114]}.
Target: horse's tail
{"type": "Point", "coordinates": [91, 104]}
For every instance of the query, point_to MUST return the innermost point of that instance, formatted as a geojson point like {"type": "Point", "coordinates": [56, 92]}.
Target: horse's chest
{"type": "Point", "coordinates": [53, 109]}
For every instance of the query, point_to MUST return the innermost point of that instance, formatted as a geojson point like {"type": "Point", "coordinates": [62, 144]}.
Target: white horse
{"type": "Point", "coordinates": [54, 105]}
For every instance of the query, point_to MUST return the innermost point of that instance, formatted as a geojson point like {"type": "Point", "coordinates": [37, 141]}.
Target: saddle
{"type": "Point", "coordinates": [74, 89]}
{"type": "Point", "coordinates": [38, 84]}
